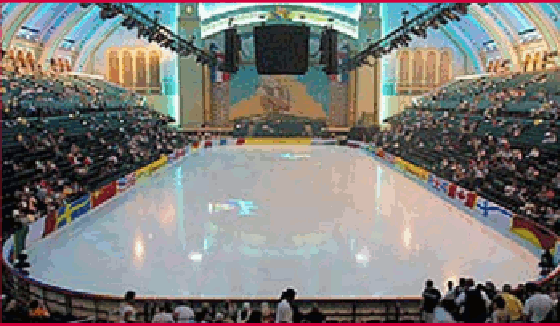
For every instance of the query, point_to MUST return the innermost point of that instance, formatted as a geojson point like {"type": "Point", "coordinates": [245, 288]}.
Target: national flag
{"type": "Point", "coordinates": [342, 76]}
{"type": "Point", "coordinates": [443, 186]}
{"type": "Point", "coordinates": [452, 190]}
{"type": "Point", "coordinates": [71, 212]}
{"type": "Point", "coordinates": [433, 181]}
{"type": "Point", "coordinates": [216, 75]}
{"type": "Point", "coordinates": [50, 223]}
{"type": "Point", "coordinates": [208, 143]}
{"type": "Point", "coordinates": [103, 194]}
{"type": "Point", "coordinates": [195, 144]}
{"type": "Point", "coordinates": [534, 233]}
{"type": "Point", "coordinates": [126, 182]}
{"type": "Point", "coordinates": [487, 208]}
{"type": "Point", "coordinates": [468, 198]}
{"type": "Point", "coordinates": [240, 141]}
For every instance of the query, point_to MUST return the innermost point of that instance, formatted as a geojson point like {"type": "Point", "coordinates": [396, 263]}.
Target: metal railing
{"type": "Point", "coordinates": [104, 308]}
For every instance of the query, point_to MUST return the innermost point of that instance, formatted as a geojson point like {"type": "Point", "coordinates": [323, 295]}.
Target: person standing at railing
{"type": "Point", "coordinates": [430, 299]}
{"type": "Point", "coordinates": [127, 312]}
{"type": "Point", "coordinates": [164, 314]}
{"type": "Point", "coordinates": [284, 312]}
{"type": "Point", "coordinates": [184, 313]}
{"type": "Point", "coordinates": [538, 308]}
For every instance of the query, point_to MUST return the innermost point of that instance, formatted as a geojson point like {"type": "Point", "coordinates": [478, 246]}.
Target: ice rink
{"type": "Point", "coordinates": [251, 220]}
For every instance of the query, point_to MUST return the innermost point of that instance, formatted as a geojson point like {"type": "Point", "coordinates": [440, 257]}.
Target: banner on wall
{"type": "Point", "coordinates": [142, 173]}
{"type": "Point", "coordinates": [318, 141]}
{"type": "Point", "coordinates": [389, 158]}
{"type": "Point", "coordinates": [353, 144]}
{"type": "Point", "coordinates": [207, 143]}
{"type": "Point", "coordinates": [196, 144]}
{"type": "Point", "coordinates": [533, 233]}
{"type": "Point", "coordinates": [462, 196]}
{"type": "Point", "coordinates": [438, 184]}
{"type": "Point", "coordinates": [240, 141]}
{"type": "Point", "coordinates": [488, 209]}
{"type": "Point", "coordinates": [126, 182]}
{"type": "Point", "coordinates": [416, 171]}
{"type": "Point", "coordinates": [103, 194]}
{"type": "Point", "coordinates": [223, 142]}
{"type": "Point", "coordinates": [50, 223]}
{"type": "Point", "coordinates": [71, 212]}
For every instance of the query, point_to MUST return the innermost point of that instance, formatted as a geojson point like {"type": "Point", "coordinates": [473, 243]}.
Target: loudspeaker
{"type": "Point", "coordinates": [331, 50]}
{"type": "Point", "coordinates": [232, 44]}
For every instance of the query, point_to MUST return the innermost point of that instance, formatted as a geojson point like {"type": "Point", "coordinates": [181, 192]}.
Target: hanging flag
{"type": "Point", "coordinates": [468, 198]}
{"type": "Point", "coordinates": [216, 75]}
{"type": "Point", "coordinates": [533, 233]}
{"type": "Point", "coordinates": [488, 209]}
{"type": "Point", "coordinates": [71, 212]}
{"type": "Point", "coordinates": [342, 76]}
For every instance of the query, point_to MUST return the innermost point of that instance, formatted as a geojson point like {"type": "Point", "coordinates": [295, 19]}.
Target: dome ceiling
{"type": "Point", "coordinates": [500, 22]}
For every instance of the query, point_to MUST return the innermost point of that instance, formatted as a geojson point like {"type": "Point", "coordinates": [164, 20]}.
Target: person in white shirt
{"type": "Point", "coordinates": [284, 312]}
{"type": "Point", "coordinates": [538, 306]}
{"type": "Point", "coordinates": [127, 313]}
{"type": "Point", "coordinates": [183, 314]}
{"type": "Point", "coordinates": [243, 314]}
{"type": "Point", "coordinates": [163, 316]}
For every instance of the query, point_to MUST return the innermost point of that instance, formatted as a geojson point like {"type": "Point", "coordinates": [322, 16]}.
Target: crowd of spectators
{"type": "Point", "coordinates": [501, 141]}
{"type": "Point", "coordinates": [47, 163]}
{"type": "Point", "coordinates": [479, 303]}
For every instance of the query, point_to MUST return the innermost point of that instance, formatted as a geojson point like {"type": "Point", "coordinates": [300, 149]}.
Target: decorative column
{"type": "Point", "coordinates": [192, 89]}
{"type": "Point", "coordinates": [368, 77]}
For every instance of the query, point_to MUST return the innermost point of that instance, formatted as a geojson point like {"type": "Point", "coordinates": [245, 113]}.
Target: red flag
{"type": "Point", "coordinates": [102, 195]}
{"type": "Point", "coordinates": [50, 223]}
{"type": "Point", "coordinates": [467, 197]}
{"type": "Point", "coordinates": [452, 190]}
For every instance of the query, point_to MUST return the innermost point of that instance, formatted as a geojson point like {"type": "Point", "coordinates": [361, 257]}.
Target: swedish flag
{"type": "Point", "coordinates": [73, 211]}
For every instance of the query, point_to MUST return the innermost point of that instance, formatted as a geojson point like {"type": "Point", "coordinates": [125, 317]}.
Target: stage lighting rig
{"type": "Point", "coordinates": [433, 17]}
{"type": "Point", "coordinates": [151, 29]}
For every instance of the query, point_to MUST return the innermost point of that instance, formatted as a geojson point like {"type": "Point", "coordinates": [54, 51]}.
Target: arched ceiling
{"type": "Point", "coordinates": [497, 21]}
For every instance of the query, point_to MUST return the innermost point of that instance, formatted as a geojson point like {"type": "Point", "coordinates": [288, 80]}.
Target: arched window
{"type": "Point", "coordinates": [418, 68]}
{"type": "Point", "coordinates": [445, 67]}
{"type": "Point", "coordinates": [114, 67]}
{"type": "Point", "coordinates": [431, 70]}
{"type": "Point", "coordinates": [154, 69]}
{"type": "Point", "coordinates": [403, 68]}
{"type": "Point", "coordinates": [141, 71]}
{"type": "Point", "coordinates": [128, 69]}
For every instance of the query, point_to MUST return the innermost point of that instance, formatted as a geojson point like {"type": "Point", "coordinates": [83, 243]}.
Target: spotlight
{"type": "Point", "coordinates": [434, 23]}
{"type": "Point", "coordinates": [461, 8]}
{"type": "Point", "coordinates": [441, 19]}
{"type": "Point", "coordinates": [129, 23]}
{"type": "Point", "coordinates": [451, 16]}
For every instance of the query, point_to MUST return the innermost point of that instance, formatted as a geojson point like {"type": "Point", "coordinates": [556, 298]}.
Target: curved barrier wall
{"type": "Point", "coordinates": [353, 309]}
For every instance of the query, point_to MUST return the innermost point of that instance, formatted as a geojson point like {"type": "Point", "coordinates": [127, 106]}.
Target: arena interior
{"type": "Point", "coordinates": [286, 162]}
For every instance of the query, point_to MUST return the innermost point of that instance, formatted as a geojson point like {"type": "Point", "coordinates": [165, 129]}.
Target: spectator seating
{"type": "Point", "coordinates": [497, 135]}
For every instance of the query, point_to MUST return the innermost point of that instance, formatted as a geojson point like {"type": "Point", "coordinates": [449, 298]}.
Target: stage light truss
{"type": "Point", "coordinates": [433, 17]}
{"type": "Point", "coordinates": [150, 28]}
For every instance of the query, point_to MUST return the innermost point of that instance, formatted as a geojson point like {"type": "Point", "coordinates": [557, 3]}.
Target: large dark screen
{"type": "Point", "coordinates": [281, 49]}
